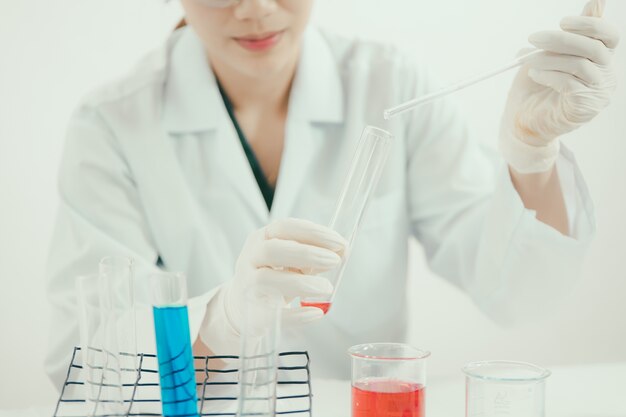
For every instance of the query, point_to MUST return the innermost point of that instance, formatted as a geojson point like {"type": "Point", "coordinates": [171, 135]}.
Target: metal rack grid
{"type": "Point", "coordinates": [217, 393]}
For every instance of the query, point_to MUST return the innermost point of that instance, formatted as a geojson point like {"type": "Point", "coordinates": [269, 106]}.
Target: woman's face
{"type": "Point", "coordinates": [256, 38]}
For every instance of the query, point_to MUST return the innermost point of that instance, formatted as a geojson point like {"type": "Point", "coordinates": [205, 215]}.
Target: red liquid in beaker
{"type": "Point", "coordinates": [324, 306]}
{"type": "Point", "coordinates": [387, 398]}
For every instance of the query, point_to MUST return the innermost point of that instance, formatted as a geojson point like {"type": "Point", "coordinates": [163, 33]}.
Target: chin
{"type": "Point", "coordinates": [266, 68]}
{"type": "Point", "coordinates": [263, 67]}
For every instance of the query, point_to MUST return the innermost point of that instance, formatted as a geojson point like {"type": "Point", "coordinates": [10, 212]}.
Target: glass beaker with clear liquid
{"type": "Point", "coordinates": [504, 389]}
{"type": "Point", "coordinates": [388, 380]}
{"type": "Point", "coordinates": [363, 175]}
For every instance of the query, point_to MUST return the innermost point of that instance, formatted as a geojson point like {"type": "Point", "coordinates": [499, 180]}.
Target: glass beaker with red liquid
{"type": "Point", "coordinates": [363, 175]}
{"type": "Point", "coordinates": [388, 380]}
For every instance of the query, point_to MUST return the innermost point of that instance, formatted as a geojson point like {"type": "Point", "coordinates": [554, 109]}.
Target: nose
{"type": "Point", "coordinates": [254, 9]}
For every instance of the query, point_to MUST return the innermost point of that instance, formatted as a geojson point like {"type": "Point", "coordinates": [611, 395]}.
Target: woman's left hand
{"type": "Point", "coordinates": [559, 89]}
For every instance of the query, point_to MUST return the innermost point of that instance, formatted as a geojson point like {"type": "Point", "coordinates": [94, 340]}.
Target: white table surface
{"type": "Point", "coordinates": [597, 390]}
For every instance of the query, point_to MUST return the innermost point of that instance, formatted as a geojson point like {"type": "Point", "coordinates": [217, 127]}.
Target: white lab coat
{"type": "Point", "coordinates": [153, 168]}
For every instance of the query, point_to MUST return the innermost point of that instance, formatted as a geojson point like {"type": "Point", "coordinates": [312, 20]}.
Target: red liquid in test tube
{"type": "Point", "coordinates": [362, 176]}
{"type": "Point", "coordinates": [387, 398]}
{"type": "Point", "coordinates": [322, 305]}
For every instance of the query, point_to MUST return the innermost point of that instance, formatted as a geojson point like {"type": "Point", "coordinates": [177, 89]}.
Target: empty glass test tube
{"type": "Point", "coordinates": [99, 354]}
{"type": "Point", "coordinates": [365, 171]}
{"type": "Point", "coordinates": [118, 304]}
{"type": "Point", "coordinates": [258, 367]}
{"type": "Point", "coordinates": [177, 377]}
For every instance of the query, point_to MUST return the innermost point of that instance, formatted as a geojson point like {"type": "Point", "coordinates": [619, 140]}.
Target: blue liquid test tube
{"type": "Point", "coordinates": [174, 354]}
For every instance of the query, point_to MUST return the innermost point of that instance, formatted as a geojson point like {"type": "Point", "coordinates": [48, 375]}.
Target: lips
{"type": "Point", "coordinates": [259, 42]}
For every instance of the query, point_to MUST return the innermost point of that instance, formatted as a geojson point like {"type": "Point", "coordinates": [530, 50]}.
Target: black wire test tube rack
{"type": "Point", "coordinates": [217, 393]}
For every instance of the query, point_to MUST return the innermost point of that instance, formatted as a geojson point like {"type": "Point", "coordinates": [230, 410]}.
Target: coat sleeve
{"type": "Point", "coordinates": [472, 223]}
{"type": "Point", "coordinates": [100, 214]}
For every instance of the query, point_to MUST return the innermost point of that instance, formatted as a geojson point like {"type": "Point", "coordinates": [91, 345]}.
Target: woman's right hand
{"type": "Point", "coordinates": [283, 258]}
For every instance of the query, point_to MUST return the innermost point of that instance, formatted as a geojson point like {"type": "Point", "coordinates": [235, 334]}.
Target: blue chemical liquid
{"type": "Point", "coordinates": [176, 370]}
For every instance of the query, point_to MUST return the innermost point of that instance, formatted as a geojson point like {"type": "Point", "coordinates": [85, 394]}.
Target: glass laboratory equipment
{"type": "Point", "coordinates": [593, 8]}
{"type": "Point", "coordinates": [118, 303]}
{"type": "Point", "coordinates": [388, 380]}
{"type": "Point", "coordinates": [365, 171]}
{"type": "Point", "coordinates": [258, 367]}
{"type": "Point", "coordinates": [99, 353]}
{"type": "Point", "coordinates": [504, 389]}
{"type": "Point", "coordinates": [460, 85]}
{"type": "Point", "coordinates": [177, 377]}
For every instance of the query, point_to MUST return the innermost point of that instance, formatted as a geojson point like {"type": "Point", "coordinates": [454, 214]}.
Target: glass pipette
{"type": "Point", "coordinates": [593, 8]}
{"type": "Point", "coordinates": [519, 61]}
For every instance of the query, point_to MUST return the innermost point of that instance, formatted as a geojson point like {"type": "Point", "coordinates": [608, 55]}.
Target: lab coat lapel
{"type": "Point", "coordinates": [237, 168]}
{"type": "Point", "coordinates": [316, 101]}
{"type": "Point", "coordinates": [298, 153]}
{"type": "Point", "coordinates": [193, 105]}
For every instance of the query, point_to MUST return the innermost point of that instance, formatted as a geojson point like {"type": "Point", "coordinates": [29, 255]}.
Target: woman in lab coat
{"type": "Point", "coordinates": [222, 153]}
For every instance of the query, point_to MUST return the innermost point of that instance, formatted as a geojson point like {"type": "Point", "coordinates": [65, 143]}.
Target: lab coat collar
{"type": "Point", "coordinates": [317, 91]}
{"type": "Point", "coordinates": [192, 101]}
{"type": "Point", "coordinates": [191, 96]}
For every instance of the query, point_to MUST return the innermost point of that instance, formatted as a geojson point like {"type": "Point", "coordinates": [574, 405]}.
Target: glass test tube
{"type": "Point", "coordinates": [388, 380]}
{"type": "Point", "coordinates": [118, 303]}
{"type": "Point", "coordinates": [504, 388]}
{"type": "Point", "coordinates": [174, 346]}
{"type": "Point", "coordinates": [258, 367]}
{"type": "Point", "coordinates": [100, 367]}
{"type": "Point", "coordinates": [365, 171]}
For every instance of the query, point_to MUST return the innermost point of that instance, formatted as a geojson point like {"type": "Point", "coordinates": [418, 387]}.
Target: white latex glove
{"type": "Point", "coordinates": [560, 89]}
{"type": "Point", "coordinates": [272, 261]}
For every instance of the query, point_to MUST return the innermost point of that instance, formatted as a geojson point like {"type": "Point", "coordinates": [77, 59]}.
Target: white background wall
{"type": "Point", "coordinates": [53, 51]}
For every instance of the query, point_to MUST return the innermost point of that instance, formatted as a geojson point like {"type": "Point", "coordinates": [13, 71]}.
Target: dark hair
{"type": "Point", "coordinates": [181, 24]}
